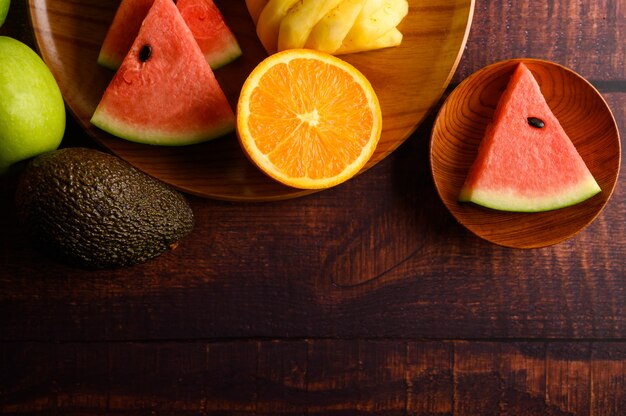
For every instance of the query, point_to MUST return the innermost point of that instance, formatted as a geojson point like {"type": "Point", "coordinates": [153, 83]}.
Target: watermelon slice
{"type": "Point", "coordinates": [526, 162]}
{"type": "Point", "coordinates": [217, 41]}
{"type": "Point", "coordinates": [165, 91]}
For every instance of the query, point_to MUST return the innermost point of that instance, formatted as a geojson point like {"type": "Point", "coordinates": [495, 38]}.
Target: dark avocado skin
{"type": "Point", "coordinates": [96, 211]}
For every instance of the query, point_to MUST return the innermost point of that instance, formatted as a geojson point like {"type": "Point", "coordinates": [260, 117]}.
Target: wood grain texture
{"type": "Point", "coordinates": [408, 80]}
{"type": "Point", "coordinates": [369, 298]}
{"type": "Point", "coordinates": [584, 36]}
{"type": "Point", "coordinates": [398, 265]}
{"type": "Point", "coordinates": [315, 377]}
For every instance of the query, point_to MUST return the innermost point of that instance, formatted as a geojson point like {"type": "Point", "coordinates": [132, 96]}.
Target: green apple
{"type": "Point", "coordinates": [32, 112]}
{"type": "Point", "coordinates": [4, 9]}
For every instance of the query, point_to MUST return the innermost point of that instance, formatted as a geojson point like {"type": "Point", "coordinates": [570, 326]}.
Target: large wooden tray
{"type": "Point", "coordinates": [408, 79]}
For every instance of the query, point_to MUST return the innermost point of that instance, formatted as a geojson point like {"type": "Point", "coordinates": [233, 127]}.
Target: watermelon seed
{"type": "Point", "coordinates": [144, 53]}
{"type": "Point", "coordinates": [536, 122]}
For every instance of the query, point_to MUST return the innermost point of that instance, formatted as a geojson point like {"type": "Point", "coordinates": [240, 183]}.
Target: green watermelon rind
{"type": "Point", "coordinates": [108, 61]}
{"type": "Point", "coordinates": [225, 56]}
{"type": "Point", "coordinates": [502, 200]}
{"type": "Point", "coordinates": [159, 137]}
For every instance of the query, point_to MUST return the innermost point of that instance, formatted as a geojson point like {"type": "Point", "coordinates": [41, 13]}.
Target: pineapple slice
{"type": "Point", "coordinates": [374, 22]}
{"type": "Point", "coordinates": [328, 34]}
{"type": "Point", "coordinates": [269, 22]}
{"type": "Point", "coordinates": [300, 20]}
{"type": "Point", "coordinates": [332, 26]}
{"type": "Point", "coordinates": [255, 7]}
{"type": "Point", "coordinates": [393, 37]}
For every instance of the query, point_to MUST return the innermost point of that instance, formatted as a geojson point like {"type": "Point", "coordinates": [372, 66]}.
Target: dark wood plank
{"type": "Point", "coordinates": [445, 281]}
{"type": "Point", "coordinates": [430, 378]}
{"type": "Point", "coordinates": [382, 377]}
{"type": "Point", "coordinates": [362, 376]}
{"type": "Point", "coordinates": [316, 377]}
{"type": "Point", "coordinates": [297, 269]}
{"type": "Point", "coordinates": [282, 378]}
{"type": "Point", "coordinates": [568, 376]}
{"type": "Point", "coordinates": [332, 380]}
{"type": "Point", "coordinates": [230, 380]}
{"type": "Point", "coordinates": [378, 256]}
{"type": "Point", "coordinates": [170, 378]}
{"type": "Point", "coordinates": [585, 36]}
{"type": "Point", "coordinates": [355, 300]}
{"type": "Point", "coordinates": [522, 368]}
{"type": "Point", "coordinates": [608, 378]}
{"type": "Point", "coordinates": [522, 379]}
{"type": "Point", "coordinates": [476, 376]}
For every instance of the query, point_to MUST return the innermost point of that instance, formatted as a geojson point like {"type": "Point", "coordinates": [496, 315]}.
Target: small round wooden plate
{"type": "Point", "coordinates": [408, 79]}
{"type": "Point", "coordinates": [459, 129]}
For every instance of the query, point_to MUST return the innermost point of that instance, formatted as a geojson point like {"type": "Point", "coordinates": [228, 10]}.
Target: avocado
{"type": "Point", "coordinates": [96, 211]}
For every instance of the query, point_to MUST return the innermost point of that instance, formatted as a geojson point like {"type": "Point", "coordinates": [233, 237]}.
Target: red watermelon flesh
{"type": "Point", "coordinates": [122, 32]}
{"type": "Point", "coordinates": [524, 168]}
{"type": "Point", "coordinates": [207, 24]}
{"type": "Point", "coordinates": [164, 92]}
{"type": "Point", "coordinates": [217, 41]}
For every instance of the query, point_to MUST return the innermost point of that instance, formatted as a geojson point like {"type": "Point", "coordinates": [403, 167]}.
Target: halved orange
{"type": "Point", "coordinates": [308, 119]}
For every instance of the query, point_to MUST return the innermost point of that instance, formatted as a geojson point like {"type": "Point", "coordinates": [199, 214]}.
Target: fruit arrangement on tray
{"type": "Point", "coordinates": [305, 117]}
{"type": "Point", "coordinates": [318, 119]}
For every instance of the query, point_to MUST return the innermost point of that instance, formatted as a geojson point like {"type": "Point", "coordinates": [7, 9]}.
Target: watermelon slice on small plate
{"type": "Point", "coordinates": [526, 162]}
{"type": "Point", "coordinates": [463, 122]}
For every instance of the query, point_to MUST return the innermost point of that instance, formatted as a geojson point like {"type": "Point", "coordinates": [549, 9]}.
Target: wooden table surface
{"type": "Point", "coordinates": [368, 298]}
